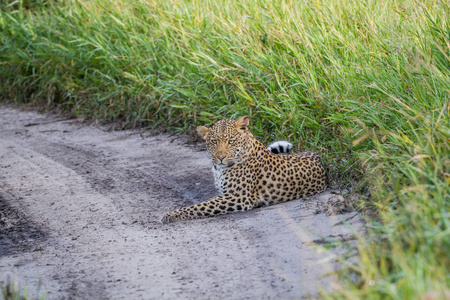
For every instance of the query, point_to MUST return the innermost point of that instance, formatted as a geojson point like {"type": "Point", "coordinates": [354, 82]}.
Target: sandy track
{"type": "Point", "coordinates": [90, 201]}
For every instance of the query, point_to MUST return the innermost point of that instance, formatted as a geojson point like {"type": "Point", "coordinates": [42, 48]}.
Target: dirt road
{"type": "Point", "coordinates": [81, 208]}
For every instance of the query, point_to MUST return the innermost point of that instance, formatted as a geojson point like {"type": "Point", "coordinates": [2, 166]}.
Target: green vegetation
{"type": "Point", "coordinates": [364, 82]}
{"type": "Point", "coordinates": [10, 291]}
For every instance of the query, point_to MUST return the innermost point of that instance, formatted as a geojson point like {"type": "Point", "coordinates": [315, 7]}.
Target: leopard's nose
{"type": "Point", "coordinates": [221, 157]}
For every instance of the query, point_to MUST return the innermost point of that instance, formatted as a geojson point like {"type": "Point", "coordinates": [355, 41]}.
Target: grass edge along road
{"type": "Point", "coordinates": [364, 82]}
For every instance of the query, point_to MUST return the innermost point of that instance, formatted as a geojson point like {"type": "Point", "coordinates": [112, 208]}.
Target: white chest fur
{"type": "Point", "coordinates": [219, 177]}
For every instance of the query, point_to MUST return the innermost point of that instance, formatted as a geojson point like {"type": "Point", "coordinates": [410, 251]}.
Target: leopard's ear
{"type": "Point", "coordinates": [203, 131]}
{"type": "Point", "coordinates": [242, 124]}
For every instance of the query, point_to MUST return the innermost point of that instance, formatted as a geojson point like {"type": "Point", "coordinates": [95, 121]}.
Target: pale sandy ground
{"type": "Point", "coordinates": [81, 209]}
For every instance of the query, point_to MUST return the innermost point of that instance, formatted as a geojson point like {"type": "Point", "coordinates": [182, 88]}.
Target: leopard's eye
{"type": "Point", "coordinates": [231, 141]}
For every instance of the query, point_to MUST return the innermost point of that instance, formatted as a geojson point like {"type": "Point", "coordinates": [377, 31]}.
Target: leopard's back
{"type": "Point", "coordinates": [273, 178]}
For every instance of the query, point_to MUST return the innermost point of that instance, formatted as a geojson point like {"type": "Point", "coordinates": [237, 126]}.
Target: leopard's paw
{"type": "Point", "coordinates": [337, 205]}
{"type": "Point", "coordinates": [169, 217]}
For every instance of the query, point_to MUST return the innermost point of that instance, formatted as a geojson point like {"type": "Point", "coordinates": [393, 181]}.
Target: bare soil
{"type": "Point", "coordinates": [80, 210]}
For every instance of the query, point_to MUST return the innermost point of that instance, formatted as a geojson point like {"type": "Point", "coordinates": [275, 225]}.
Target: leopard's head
{"type": "Point", "coordinates": [228, 141]}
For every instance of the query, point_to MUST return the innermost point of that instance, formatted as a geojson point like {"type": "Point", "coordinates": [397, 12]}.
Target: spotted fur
{"type": "Point", "coordinates": [248, 175]}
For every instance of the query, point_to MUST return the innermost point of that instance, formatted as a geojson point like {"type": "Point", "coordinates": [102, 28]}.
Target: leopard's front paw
{"type": "Point", "coordinates": [169, 218]}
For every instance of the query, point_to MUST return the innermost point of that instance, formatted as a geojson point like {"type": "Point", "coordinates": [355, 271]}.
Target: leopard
{"type": "Point", "coordinates": [248, 175]}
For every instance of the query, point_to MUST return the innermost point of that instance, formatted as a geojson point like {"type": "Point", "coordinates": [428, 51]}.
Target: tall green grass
{"type": "Point", "coordinates": [364, 82]}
